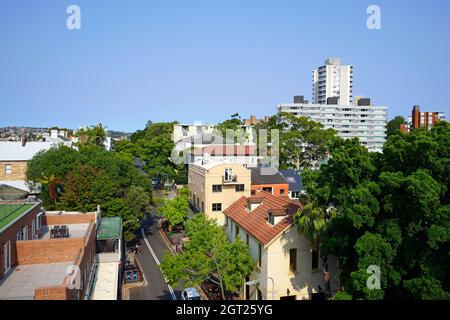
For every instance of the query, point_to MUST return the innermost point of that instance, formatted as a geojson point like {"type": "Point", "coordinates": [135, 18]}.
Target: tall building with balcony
{"type": "Point", "coordinates": [360, 119]}
{"type": "Point", "coordinates": [214, 186]}
{"type": "Point", "coordinates": [333, 80]}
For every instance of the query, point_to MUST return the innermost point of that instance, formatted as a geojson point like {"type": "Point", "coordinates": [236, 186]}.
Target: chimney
{"type": "Point", "coordinates": [54, 134]}
{"type": "Point", "coordinates": [23, 139]}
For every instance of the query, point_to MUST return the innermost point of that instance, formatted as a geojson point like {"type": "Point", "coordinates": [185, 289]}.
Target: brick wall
{"type": "Point", "coordinates": [63, 219]}
{"type": "Point", "coordinates": [84, 259]}
{"type": "Point", "coordinates": [51, 293]}
{"type": "Point", "coordinates": [49, 250]}
{"type": "Point", "coordinates": [10, 235]}
{"type": "Point", "coordinates": [276, 188]}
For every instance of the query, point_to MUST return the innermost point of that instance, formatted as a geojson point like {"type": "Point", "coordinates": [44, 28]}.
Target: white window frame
{"type": "Point", "coordinates": [8, 169]}
{"type": "Point", "coordinates": [228, 174]}
{"type": "Point", "coordinates": [33, 229]}
{"type": "Point", "coordinates": [39, 221]}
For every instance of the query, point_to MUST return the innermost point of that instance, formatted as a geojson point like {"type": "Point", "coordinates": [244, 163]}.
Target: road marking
{"type": "Point", "coordinates": [174, 297]}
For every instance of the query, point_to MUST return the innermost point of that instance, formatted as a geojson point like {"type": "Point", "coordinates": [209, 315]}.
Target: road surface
{"type": "Point", "coordinates": [157, 288]}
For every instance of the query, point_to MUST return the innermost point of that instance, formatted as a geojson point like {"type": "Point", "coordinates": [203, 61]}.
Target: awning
{"type": "Point", "coordinates": [110, 228]}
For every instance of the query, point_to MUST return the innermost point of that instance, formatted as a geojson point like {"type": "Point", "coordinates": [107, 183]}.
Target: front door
{"type": "Point", "coordinates": [7, 256]}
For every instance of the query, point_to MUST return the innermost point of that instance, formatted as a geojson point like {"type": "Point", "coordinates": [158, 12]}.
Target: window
{"type": "Point", "coordinates": [8, 169]}
{"type": "Point", "coordinates": [228, 174]}
{"type": "Point", "coordinates": [253, 192]}
{"type": "Point", "coordinates": [282, 191]}
{"type": "Point", "coordinates": [293, 260]}
{"type": "Point", "coordinates": [33, 228]}
{"type": "Point", "coordinates": [19, 236]}
{"type": "Point", "coordinates": [39, 221]}
{"type": "Point", "coordinates": [237, 231]}
{"type": "Point", "coordinates": [226, 221]}
{"type": "Point", "coordinates": [271, 219]}
{"type": "Point", "coordinates": [216, 207]}
{"type": "Point", "coordinates": [267, 189]}
{"type": "Point", "coordinates": [259, 255]}
{"type": "Point", "coordinates": [247, 239]}
{"type": "Point", "coordinates": [240, 187]}
{"type": "Point", "coordinates": [217, 188]}
{"type": "Point", "coordinates": [25, 232]}
{"type": "Point", "coordinates": [315, 259]}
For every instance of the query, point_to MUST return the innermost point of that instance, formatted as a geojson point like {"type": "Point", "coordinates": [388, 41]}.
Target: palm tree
{"type": "Point", "coordinates": [311, 222]}
{"type": "Point", "coordinates": [52, 182]}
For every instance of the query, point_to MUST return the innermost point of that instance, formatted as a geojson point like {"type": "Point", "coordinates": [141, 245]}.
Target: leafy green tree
{"type": "Point", "coordinates": [392, 211]}
{"type": "Point", "coordinates": [52, 183]}
{"type": "Point", "coordinates": [95, 135]}
{"type": "Point", "coordinates": [89, 177]}
{"type": "Point", "coordinates": [176, 210]}
{"type": "Point", "coordinates": [393, 126]}
{"type": "Point", "coordinates": [303, 142]}
{"type": "Point", "coordinates": [208, 252]}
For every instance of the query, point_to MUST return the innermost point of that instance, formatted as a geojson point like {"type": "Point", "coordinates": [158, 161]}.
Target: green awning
{"type": "Point", "coordinates": [110, 228]}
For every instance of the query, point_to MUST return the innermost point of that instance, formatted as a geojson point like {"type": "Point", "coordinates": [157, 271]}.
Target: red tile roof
{"type": "Point", "coordinates": [225, 150]}
{"type": "Point", "coordinates": [255, 222]}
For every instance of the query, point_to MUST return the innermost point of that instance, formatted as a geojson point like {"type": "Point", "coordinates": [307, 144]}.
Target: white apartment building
{"type": "Point", "coordinates": [360, 120]}
{"type": "Point", "coordinates": [333, 80]}
{"type": "Point", "coordinates": [183, 131]}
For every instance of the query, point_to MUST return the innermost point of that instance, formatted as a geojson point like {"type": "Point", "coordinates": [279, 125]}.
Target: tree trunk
{"type": "Point", "coordinates": [220, 278]}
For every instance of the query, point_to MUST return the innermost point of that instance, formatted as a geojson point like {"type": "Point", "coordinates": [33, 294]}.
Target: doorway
{"type": "Point", "coordinates": [7, 256]}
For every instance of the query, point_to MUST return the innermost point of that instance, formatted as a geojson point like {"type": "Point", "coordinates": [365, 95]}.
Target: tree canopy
{"type": "Point", "coordinates": [208, 253]}
{"type": "Point", "coordinates": [79, 180]}
{"type": "Point", "coordinates": [392, 211]}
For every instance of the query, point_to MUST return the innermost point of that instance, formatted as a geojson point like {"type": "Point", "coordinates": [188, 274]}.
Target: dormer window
{"type": "Point", "coordinates": [253, 203]}
{"type": "Point", "coordinates": [271, 219]}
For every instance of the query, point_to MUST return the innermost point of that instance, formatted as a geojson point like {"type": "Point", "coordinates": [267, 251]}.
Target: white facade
{"type": "Point", "coordinates": [333, 80]}
{"type": "Point", "coordinates": [249, 161]}
{"type": "Point", "coordinates": [181, 131]}
{"type": "Point", "coordinates": [367, 123]}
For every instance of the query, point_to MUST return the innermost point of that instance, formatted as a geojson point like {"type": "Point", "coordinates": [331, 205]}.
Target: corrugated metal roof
{"type": "Point", "coordinates": [14, 151]}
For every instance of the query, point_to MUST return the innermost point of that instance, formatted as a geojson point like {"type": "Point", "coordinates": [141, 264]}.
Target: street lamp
{"type": "Point", "coordinates": [249, 283]}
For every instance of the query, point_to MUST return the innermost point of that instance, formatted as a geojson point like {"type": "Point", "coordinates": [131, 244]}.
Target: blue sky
{"type": "Point", "coordinates": [165, 60]}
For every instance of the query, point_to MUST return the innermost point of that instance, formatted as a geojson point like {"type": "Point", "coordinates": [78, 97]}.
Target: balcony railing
{"type": "Point", "coordinates": [229, 180]}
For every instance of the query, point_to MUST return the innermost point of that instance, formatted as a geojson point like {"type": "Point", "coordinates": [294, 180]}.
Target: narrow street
{"type": "Point", "coordinates": [153, 249]}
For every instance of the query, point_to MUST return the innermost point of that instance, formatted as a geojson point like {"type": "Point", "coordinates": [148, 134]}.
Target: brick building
{"type": "Point", "coordinates": [18, 221]}
{"type": "Point", "coordinates": [46, 263]}
{"type": "Point", "coordinates": [268, 180]}
{"type": "Point", "coordinates": [420, 119]}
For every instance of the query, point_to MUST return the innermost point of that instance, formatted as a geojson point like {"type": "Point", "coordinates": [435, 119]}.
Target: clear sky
{"type": "Point", "coordinates": [192, 60]}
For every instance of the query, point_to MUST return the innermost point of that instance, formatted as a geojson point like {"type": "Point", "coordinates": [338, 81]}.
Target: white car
{"type": "Point", "coordinates": [190, 294]}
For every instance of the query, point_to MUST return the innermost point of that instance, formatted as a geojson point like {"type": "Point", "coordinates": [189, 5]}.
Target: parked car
{"type": "Point", "coordinates": [190, 294]}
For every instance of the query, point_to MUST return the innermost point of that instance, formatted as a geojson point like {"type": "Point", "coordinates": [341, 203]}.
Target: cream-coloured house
{"type": "Point", "coordinates": [287, 266]}
{"type": "Point", "coordinates": [214, 186]}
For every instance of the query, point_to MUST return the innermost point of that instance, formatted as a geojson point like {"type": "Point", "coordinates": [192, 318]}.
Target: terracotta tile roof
{"type": "Point", "coordinates": [225, 150]}
{"type": "Point", "coordinates": [255, 222]}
